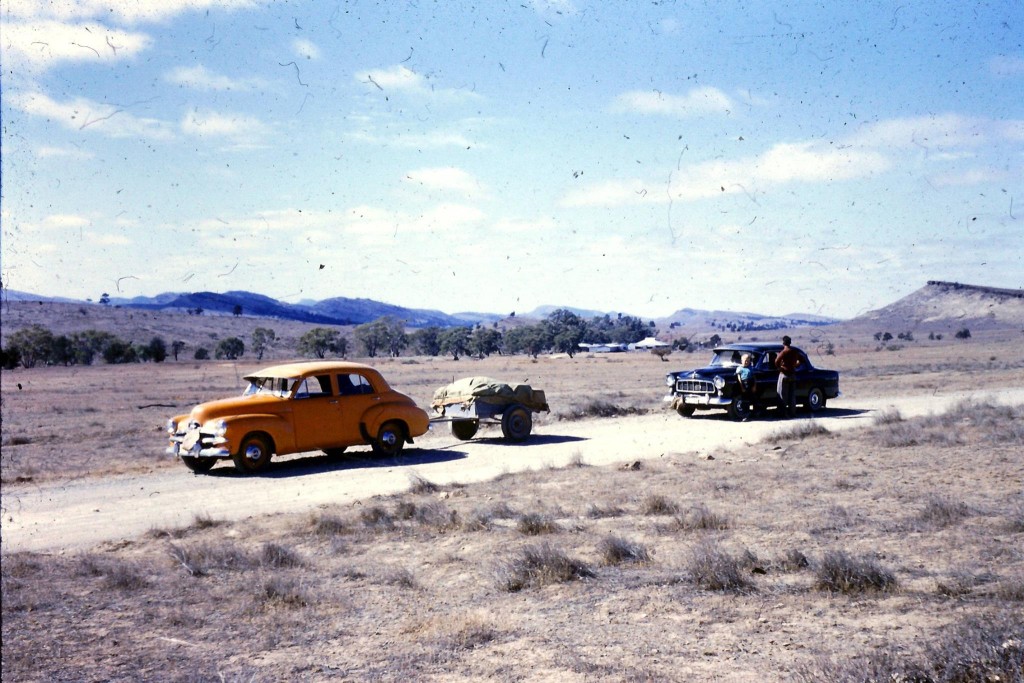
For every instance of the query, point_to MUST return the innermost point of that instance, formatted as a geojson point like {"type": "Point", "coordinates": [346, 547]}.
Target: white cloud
{"type": "Point", "coordinates": [131, 11]}
{"type": "Point", "coordinates": [83, 114]}
{"type": "Point", "coordinates": [966, 178]}
{"type": "Point", "coordinates": [200, 78]}
{"type": "Point", "coordinates": [444, 178]}
{"type": "Point", "coordinates": [783, 163]}
{"type": "Point", "coordinates": [924, 132]}
{"type": "Point", "coordinates": [698, 101]}
{"type": "Point", "coordinates": [400, 79]}
{"type": "Point", "coordinates": [47, 152]}
{"type": "Point", "coordinates": [63, 221]}
{"type": "Point", "coordinates": [1007, 65]}
{"type": "Point", "coordinates": [305, 49]}
{"type": "Point", "coordinates": [40, 45]}
{"type": "Point", "coordinates": [235, 126]}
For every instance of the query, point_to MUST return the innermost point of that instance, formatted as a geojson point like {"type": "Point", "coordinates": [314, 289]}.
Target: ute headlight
{"type": "Point", "coordinates": [216, 427]}
{"type": "Point", "coordinates": [172, 427]}
{"type": "Point", "coordinates": [719, 382]}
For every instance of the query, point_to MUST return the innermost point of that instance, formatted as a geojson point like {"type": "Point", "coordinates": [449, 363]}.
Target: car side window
{"type": "Point", "coordinates": [311, 387]}
{"type": "Point", "coordinates": [768, 360]}
{"type": "Point", "coordinates": [353, 384]}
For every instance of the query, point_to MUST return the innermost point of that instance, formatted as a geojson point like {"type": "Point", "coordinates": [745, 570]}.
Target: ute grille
{"type": "Point", "coordinates": [694, 386]}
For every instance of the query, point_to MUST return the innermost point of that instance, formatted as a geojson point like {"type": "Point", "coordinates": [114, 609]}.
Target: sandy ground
{"type": "Point", "coordinates": [76, 515]}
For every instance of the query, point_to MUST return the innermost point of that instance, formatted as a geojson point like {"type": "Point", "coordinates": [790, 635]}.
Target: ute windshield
{"type": "Point", "coordinates": [273, 386]}
{"type": "Point", "coordinates": [728, 358]}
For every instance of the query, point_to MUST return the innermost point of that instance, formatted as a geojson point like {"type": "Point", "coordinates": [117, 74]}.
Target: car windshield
{"type": "Point", "coordinates": [275, 386]}
{"type": "Point", "coordinates": [728, 359]}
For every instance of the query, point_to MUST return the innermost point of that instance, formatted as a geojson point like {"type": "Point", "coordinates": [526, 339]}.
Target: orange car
{"type": "Point", "coordinates": [294, 408]}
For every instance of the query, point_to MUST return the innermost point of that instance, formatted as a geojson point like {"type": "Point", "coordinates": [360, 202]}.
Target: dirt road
{"type": "Point", "coordinates": [81, 514]}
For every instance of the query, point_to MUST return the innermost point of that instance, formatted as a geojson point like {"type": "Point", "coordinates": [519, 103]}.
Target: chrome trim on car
{"type": "Point", "coordinates": [695, 386]}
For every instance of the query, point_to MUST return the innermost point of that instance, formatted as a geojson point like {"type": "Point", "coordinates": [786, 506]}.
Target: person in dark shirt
{"type": "Point", "coordinates": [787, 363]}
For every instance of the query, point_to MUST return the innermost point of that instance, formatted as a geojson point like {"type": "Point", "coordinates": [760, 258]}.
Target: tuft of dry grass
{"type": "Point", "coordinates": [658, 504]}
{"type": "Point", "coordinates": [615, 550]}
{"type": "Point", "coordinates": [534, 524]}
{"type": "Point", "coordinates": [540, 565]}
{"type": "Point", "coordinates": [714, 569]}
{"type": "Point", "coordinates": [700, 518]}
{"type": "Point", "coordinates": [804, 429]}
{"type": "Point", "coordinates": [839, 572]}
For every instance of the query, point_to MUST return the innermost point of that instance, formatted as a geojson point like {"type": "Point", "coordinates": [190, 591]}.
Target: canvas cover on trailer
{"type": "Point", "coordinates": [469, 390]}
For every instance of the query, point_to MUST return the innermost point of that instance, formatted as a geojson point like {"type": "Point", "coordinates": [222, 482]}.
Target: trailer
{"type": "Point", "coordinates": [468, 402]}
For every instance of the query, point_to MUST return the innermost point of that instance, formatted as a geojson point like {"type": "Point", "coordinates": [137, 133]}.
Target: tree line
{"type": "Point", "coordinates": [561, 332]}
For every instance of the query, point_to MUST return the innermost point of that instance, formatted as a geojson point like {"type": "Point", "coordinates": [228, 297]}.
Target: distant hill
{"type": "Point", "coordinates": [334, 311]}
{"type": "Point", "coordinates": [939, 305]}
{"type": "Point", "coordinates": [733, 321]}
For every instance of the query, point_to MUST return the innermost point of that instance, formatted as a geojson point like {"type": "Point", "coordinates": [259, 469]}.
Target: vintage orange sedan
{"type": "Point", "coordinates": [294, 408]}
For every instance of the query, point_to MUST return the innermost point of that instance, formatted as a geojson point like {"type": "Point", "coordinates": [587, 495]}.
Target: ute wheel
{"type": "Point", "coordinates": [516, 423]}
{"type": "Point", "coordinates": [198, 465]}
{"type": "Point", "coordinates": [740, 410]}
{"type": "Point", "coordinates": [334, 452]}
{"type": "Point", "coordinates": [815, 399]}
{"type": "Point", "coordinates": [253, 455]}
{"type": "Point", "coordinates": [390, 439]}
{"type": "Point", "coordinates": [464, 430]}
{"type": "Point", "coordinates": [685, 410]}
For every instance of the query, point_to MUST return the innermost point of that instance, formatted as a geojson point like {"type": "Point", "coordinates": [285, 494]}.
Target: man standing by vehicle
{"type": "Point", "coordinates": [787, 363]}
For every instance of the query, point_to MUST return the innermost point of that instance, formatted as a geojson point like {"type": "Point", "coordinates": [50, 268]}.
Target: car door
{"type": "Point", "coordinates": [355, 396]}
{"type": "Point", "coordinates": [767, 377]}
{"type": "Point", "coordinates": [316, 413]}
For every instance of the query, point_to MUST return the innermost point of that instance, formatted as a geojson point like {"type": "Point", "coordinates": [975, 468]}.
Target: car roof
{"type": "Point", "coordinates": [759, 347]}
{"type": "Point", "coordinates": [307, 368]}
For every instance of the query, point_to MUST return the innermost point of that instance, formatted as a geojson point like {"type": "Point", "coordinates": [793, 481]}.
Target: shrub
{"type": "Point", "coordinates": [437, 516]}
{"type": "Point", "coordinates": [713, 569]}
{"type": "Point", "coordinates": [656, 504]}
{"type": "Point", "coordinates": [285, 591]}
{"type": "Point", "coordinates": [538, 566]}
{"type": "Point", "coordinates": [276, 555]}
{"type": "Point", "coordinates": [598, 408]}
{"type": "Point", "coordinates": [533, 524]}
{"type": "Point", "coordinates": [328, 525]}
{"type": "Point", "coordinates": [699, 518]}
{"type": "Point", "coordinates": [614, 550]}
{"type": "Point", "coordinates": [419, 484]}
{"type": "Point", "coordinates": [802, 430]}
{"type": "Point", "coordinates": [940, 513]}
{"type": "Point", "coordinates": [841, 573]}
{"type": "Point", "coordinates": [595, 511]}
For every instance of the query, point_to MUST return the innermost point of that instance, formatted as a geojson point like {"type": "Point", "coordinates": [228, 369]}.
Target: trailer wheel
{"type": "Point", "coordinates": [464, 430]}
{"type": "Point", "coordinates": [516, 423]}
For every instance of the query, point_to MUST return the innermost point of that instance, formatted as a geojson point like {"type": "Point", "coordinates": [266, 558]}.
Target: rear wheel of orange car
{"type": "Point", "coordinates": [198, 465]}
{"type": "Point", "coordinates": [253, 455]}
{"type": "Point", "coordinates": [390, 439]}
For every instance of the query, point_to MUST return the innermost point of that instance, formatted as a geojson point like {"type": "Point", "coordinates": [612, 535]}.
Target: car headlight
{"type": "Point", "coordinates": [719, 382]}
{"type": "Point", "coordinates": [215, 427]}
{"type": "Point", "coordinates": [172, 427]}
{"type": "Point", "coordinates": [670, 380]}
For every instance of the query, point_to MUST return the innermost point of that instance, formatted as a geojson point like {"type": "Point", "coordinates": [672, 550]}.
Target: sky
{"type": "Point", "coordinates": [640, 157]}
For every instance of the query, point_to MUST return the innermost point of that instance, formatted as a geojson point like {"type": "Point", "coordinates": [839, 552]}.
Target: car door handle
{"type": "Point", "coordinates": [334, 403]}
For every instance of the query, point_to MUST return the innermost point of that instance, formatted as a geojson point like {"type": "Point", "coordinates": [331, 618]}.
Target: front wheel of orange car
{"type": "Point", "coordinates": [198, 465]}
{"type": "Point", "coordinates": [253, 455]}
{"type": "Point", "coordinates": [390, 439]}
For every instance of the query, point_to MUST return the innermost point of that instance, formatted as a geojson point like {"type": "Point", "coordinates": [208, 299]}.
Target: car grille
{"type": "Point", "coordinates": [694, 386]}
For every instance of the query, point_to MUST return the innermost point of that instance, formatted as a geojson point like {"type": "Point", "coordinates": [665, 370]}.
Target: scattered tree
{"type": "Point", "coordinates": [261, 340]}
{"type": "Point", "coordinates": [963, 333]}
{"type": "Point", "coordinates": [317, 342]}
{"type": "Point", "coordinates": [201, 353]}
{"type": "Point", "coordinates": [177, 346]}
{"type": "Point", "coordinates": [230, 348]}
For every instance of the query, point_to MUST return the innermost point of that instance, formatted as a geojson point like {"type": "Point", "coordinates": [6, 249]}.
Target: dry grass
{"type": "Point", "coordinates": [818, 556]}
